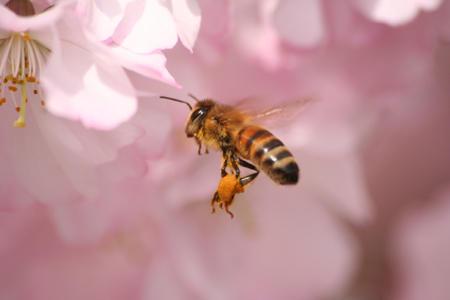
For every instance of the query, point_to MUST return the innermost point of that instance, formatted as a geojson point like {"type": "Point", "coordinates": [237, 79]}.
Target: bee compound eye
{"type": "Point", "coordinates": [197, 113]}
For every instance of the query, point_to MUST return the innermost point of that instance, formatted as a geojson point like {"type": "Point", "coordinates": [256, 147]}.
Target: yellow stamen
{"type": "Point", "coordinates": [21, 61]}
{"type": "Point", "coordinates": [21, 121]}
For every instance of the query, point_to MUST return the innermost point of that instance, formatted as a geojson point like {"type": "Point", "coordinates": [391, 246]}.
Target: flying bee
{"type": "Point", "coordinates": [241, 139]}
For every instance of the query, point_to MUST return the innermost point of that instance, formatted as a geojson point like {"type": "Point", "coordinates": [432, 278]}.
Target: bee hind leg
{"type": "Point", "coordinates": [247, 179]}
{"type": "Point", "coordinates": [227, 204]}
{"type": "Point", "coordinates": [214, 200]}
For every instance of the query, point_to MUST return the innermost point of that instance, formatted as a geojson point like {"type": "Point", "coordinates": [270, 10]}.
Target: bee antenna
{"type": "Point", "coordinates": [173, 99]}
{"type": "Point", "coordinates": [192, 96]}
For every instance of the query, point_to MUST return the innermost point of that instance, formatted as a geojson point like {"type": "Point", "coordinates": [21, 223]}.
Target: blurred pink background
{"type": "Point", "coordinates": [369, 219]}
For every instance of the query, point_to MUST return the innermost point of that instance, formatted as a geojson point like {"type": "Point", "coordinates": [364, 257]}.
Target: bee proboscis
{"type": "Point", "coordinates": [241, 139]}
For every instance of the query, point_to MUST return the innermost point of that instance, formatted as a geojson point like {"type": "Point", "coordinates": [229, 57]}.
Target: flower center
{"type": "Point", "coordinates": [21, 63]}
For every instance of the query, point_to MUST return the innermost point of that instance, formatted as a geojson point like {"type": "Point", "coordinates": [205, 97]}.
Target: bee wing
{"type": "Point", "coordinates": [276, 116]}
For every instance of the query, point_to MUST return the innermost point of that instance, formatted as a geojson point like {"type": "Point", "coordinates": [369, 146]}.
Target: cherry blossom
{"type": "Point", "coordinates": [365, 221]}
{"type": "Point", "coordinates": [93, 88]}
{"type": "Point", "coordinates": [54, 160]}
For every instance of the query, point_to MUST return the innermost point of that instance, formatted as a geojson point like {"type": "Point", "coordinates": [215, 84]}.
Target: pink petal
{"type": "Point", "coordinates": [151, 65]}
{"type": "Point", "coordinates": [82, 86]}
{"type": "Point", "coordinates": [300, 22]}
{"type": "Point", "coordinates": [393, 12]}
{"type": "Point", "coordinates": [147, 26]}
{"type": "Point", "coordinates": [103, 16]}
{"type": "Point", "coordinates": [187, 18]}
{"type": "Point", "coordinates": [41, 170]}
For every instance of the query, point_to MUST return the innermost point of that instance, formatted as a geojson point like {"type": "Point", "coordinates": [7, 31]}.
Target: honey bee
{"type": "Point", "coordinates": [241, 139]}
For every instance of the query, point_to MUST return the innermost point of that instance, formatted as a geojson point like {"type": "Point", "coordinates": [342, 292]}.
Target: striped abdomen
{"type": "Point", "coordinates": [268, 153]}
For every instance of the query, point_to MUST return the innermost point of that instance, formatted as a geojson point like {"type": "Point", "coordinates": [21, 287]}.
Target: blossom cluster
{"type": "Point", "coordinates": [102, 196]}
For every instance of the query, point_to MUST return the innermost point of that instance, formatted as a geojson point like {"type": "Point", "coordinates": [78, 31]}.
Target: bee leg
{"type": "Point", "coordinates": [229, 204]}
{"type": "Point", "coordinates": [247, 165]}
{"type": "Point", "coordinates": [247, 179]}
{"type": "Point", "coordinates": [235, 167]}
{"type": "Point", "coordinates": [214, 200]}
{"type": "Point", "coordinates": [206, 151]}
{"type": "Point", "coordinates": [199, 146]}
{"type": "Point", "coordinates": [224, 165]}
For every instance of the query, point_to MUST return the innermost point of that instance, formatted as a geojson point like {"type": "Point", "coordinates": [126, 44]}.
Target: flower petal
{"type": "Point", "coordinates": [83, 86]}
{"type": "Point", "coordinates": [103, 16]}
{"type": "Point", "coordinates": [151, 65]}
{"type": "Point", "coordinates": [187, 17]}
{"type": "Point", "coordinates": [147, 26]}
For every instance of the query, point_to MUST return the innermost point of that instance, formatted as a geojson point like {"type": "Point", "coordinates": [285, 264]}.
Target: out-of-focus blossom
{"type": "Point", "coordinates": [420, 246]}
{"type": "Point", "coordinates": [372, 148]}
{"type": "Point", "coordinates": [274, 32]}
{"type": "Point", "coordinates": [393, 12]}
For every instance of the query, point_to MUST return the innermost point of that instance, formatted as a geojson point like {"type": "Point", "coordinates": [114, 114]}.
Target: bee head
{"type": "Point", "coordinates": [196, 119]}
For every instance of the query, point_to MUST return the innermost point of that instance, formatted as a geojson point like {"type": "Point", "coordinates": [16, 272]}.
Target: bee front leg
{"type": "Point", "coordinates": [199, 143]}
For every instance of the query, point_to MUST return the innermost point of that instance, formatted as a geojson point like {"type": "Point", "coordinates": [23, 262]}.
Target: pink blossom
{"type": "Point", "coordinates": [54, 160]}
{"type": "Point", "coordinates": [365, 221]}
{"type": "Point", "coordinates": [94, 88]}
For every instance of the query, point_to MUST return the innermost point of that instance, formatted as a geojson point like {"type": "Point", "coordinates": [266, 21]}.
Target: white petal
{"type": "Point", "coordinates": [147, 26]}
{"type": "Point", "coordinates": [103, 16]}
{"type": "Point", "coordinates": [82, 86]}
{"type": "Point", "coordinates": [187, 17]}
{"type": "Point", "coordinates": [151, 65]}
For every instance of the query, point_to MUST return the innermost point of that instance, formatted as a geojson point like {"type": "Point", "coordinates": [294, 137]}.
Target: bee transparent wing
{"type": "Point", "coordinates": [276, 116]}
